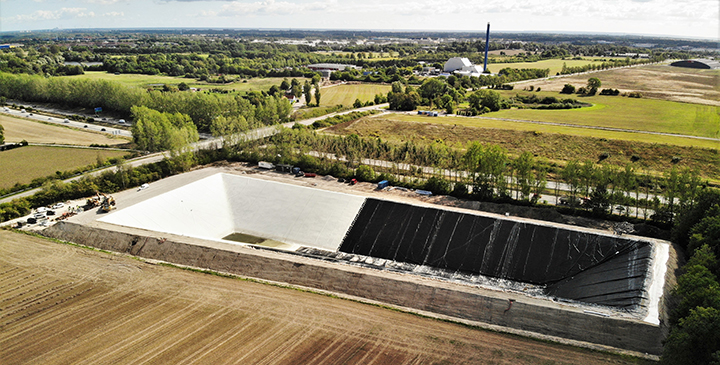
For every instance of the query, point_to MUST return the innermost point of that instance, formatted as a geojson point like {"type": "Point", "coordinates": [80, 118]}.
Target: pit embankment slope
{"type": "Point", "coordinates": [466, 303]}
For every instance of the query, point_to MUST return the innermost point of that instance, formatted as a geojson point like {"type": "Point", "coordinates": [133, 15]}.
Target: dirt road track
{"type": "Point", "coordinates": [61, 304]}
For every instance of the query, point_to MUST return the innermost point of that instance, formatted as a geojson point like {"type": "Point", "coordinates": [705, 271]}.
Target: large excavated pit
{"type": "Point", "coordinates": [614, 280]}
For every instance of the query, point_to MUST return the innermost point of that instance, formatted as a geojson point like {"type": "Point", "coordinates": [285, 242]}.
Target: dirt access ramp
{"type": "Point", "coordinates": [61, 304]}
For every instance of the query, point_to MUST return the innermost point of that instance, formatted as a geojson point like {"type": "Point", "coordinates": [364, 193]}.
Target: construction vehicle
{"type": "Point", "coordinates": [93, 201]}
{"type": "Point", "coordinates": [108, 203]}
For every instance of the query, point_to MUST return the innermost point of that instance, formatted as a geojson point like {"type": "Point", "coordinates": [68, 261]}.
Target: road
{"type": "Point", "coordinates": [67, 122]}
{"type": "Point", "coordinates": [203, 144]}
{"type": "Point", "coordinates": [263, 132]}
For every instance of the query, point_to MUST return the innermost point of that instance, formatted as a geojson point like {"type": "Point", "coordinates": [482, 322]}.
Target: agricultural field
{"type": "Point", "coordinates": [345, 94]}
{"type": "Point", "coordinates": [62, 304]}
{"type": "Point", "coordinates": [555, 65]}
{"type": "Point", "coordinates": [144, 81]}
{"type": "Point", "coordinates": [22, 165]}
{"type": "Point", "coordinates": [661, 81]}
{"type": "Point", "coordinates": [653, 154]}
{"type": "Point", "coordinates": [19, 129]}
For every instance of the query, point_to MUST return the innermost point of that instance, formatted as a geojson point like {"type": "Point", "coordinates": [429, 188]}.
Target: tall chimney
{"type": "Point", "coordinates": [487, 47]}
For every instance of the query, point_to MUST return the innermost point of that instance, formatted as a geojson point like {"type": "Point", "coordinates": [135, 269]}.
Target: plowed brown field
{"type": "Point", "coordinates": [61, 304]}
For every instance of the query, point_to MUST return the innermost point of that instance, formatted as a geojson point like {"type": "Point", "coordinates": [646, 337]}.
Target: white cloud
{"type": "Point", "coordinates": [104, 2]}
{"type": "Point", "coordinates": [268, 7]}
{"type": "Point", "coordinates": [64, 13]}
{"type": "Point", "coordinates": [114, 14]}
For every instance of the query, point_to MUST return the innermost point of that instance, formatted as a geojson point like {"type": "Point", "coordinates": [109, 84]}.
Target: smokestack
{"type": "Point", "coordinates": [487, 47]}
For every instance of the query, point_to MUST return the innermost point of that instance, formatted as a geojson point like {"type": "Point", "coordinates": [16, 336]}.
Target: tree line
{"type": "Point", "coordinates": [488, 172]}
{"type": "Point", "coordinates": [202, 108]}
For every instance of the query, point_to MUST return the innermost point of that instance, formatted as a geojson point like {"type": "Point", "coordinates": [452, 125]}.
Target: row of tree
{"type": "Point", "coordinates": [489, 172]}
{"type": "Point", "coordinates": [695, 318]}
{"type": "Point", "coordinates": [202, 108]}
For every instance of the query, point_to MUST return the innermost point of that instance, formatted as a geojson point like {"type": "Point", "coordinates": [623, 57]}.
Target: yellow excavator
{"type": "Point", "coordinates": [108, 203]}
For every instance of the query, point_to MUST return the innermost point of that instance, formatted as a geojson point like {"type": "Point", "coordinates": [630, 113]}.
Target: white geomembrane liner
{"type": "Point", "coordinates": [221, 204]}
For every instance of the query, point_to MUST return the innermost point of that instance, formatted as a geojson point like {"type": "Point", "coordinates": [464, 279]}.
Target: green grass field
{"type": "Point", "coordinates": [22, 165]}
{"type": "Point", "coordinates": [555, 65]}
{"type": "Point", "coordinates": [568, 130]}
{"type": "Point", "coordinates": [555, 144]}
{"type": "Point", "coordinates": [627, 113]}
{"type": "Point", "coordinates": [254, 84]}
{"type": "Point", "coordinates": [347, 93]}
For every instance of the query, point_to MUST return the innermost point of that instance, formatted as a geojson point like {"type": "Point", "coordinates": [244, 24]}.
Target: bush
{"type": "Point", "coordinates": [568, 89]}
{"type": "Point", "coordinates": [460, 190]}
{"type": "Point", "coordinates": [365, 173]}
{"type": "Point", "coordinates": [610, 92]}
{"type": "Point", "coordinates": [437, 185]}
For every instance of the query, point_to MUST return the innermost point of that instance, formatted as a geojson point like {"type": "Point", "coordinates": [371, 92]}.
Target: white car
{"type": "Point", "coordinates": [58, 205]}
{"type": "Point", "coordinates": [143, 187]}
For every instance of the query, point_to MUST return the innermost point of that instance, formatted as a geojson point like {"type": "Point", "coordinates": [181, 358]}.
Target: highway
{"type": "Point", "coordinates": [22, 113]}
{"type": "Point", "coordinates": [156, 157]}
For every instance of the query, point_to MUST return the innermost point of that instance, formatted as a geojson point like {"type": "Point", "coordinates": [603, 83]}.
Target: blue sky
{"type": "Point", "coordinates": [676, 18]}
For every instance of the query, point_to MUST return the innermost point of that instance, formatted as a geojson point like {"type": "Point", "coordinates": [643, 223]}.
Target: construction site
{"type": "Point", "coordinates": [586, 287]}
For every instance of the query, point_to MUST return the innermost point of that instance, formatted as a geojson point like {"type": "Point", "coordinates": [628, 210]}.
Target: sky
{"type": "Point", "coordinates": [671, 18]}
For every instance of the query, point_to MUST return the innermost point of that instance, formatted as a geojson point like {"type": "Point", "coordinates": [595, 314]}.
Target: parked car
{"type": "Point", "coordinates": [58, 205]}
{"type": "Point", "coordinates": [121, 121]}
{"type": "Point", "coordinates": [31, 220]}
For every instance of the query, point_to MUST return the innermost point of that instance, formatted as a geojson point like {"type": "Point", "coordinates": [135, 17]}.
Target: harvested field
{"type": "Point", "coordinates": [17, 129]}
{"type": "Point", "coordinates": [653, 81]}
{"type": "Point", "coordinates": [22, 165]}
{"type": "Point", "coordinates": [62, 304]}
{"type": "Point", "coordinates": [553, 145]}
{"type": "Point", "coordinates": [346, 94]}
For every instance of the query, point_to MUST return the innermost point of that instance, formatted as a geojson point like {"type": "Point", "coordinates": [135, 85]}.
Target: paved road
{"type": "Point", "coordinates": [63, 121]}
{"type": "Point", "coordinates": [204, 144]}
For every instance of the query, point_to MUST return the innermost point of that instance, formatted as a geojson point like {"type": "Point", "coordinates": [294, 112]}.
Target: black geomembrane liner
{"type": "Point", "coordinates": [572, 264]}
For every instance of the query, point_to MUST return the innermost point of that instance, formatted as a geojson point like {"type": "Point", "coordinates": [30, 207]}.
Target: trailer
{"type": "Point", "coordinates": [265, 165]}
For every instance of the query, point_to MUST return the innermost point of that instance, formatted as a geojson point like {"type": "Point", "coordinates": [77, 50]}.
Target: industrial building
{"type": "Point", "coordinates": [326, 69]}
{"type": "Point", "coordinates": [698, 63]}
{"type": "Point", "coordinates": [462, 66]}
